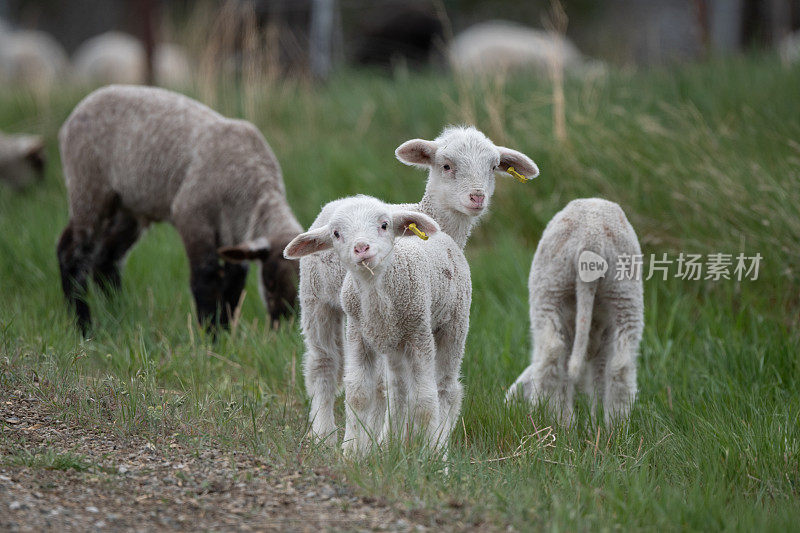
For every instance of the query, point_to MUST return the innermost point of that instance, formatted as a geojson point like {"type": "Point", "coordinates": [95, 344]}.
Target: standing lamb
{"type": "Point", "coordinates": [462, 163]}
{"type": "Point", "coordinates": [407, 305]}
{"type": "Point", "coordinates": [136, 155]}
{"type": "Point", "coordinates": [586, 330]}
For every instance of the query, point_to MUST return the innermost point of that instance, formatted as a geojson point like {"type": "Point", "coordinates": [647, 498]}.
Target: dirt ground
{"type": "Point", "coordinates": [57, 476]}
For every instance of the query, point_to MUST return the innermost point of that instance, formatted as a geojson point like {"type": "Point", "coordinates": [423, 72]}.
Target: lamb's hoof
{"type": "Point", "coordinates": [512, 393]}
{"type": "Point", "coordinates": [328, 438]}
{"type": "Point", "coordinates": [351, 451]}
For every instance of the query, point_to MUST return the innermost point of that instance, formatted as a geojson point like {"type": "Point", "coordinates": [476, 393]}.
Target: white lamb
{"type": "Point", "coordinates": [462, 163]}
{"type": "Point", "coordinates": [585, 334]}
{"type": "Point", "coordinates": [407, 305]}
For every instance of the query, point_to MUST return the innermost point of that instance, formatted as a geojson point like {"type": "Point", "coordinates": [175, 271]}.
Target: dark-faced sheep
{"type": "Point", "coordinates": [137, 155]}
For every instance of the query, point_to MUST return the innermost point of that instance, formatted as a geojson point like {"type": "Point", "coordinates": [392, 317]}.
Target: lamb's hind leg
{"type": "Point", "coordinates": [549, 370]}
{"type": "Point", "coordinates": [523, 386]}
{"type": "Point", "coordinates": [620, 367]}
{"type": "Point", "coordinates": [120, 231]}
{"type": "Point", "coordinates": [322, 363]}
{"type": "Point", "coordinates": [74, 259]}
{"type": "Point", "coordinates": [97, 236]}
{"type": "Point", "coordinates": [450, 342]}
{"type": "Point", "coordinates": [412, 391]}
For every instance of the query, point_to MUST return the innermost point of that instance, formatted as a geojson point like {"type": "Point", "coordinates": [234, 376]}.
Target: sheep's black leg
{"type": "Point", "coordinates": [121, 232]}
{"type": "Point", "coordinates": [74, 263]}
{"type": "Point", "coordinates": [207, 283]}
{"type": "Point", "coordinates": [234, 280]}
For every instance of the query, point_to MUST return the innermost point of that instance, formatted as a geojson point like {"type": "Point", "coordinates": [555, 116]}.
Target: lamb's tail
{"type": "Point", "coordinates": [584, 302]}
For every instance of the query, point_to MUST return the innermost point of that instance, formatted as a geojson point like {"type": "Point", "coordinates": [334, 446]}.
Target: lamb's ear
{"type": "Point", "coordinates": [246, 251]}
{"type": "Point", "coordinates": [417, 152]}
{"type": "Point", "coordinates": [521, 162]}
{"type": "Point", "coordinates": [309, 242]}
{"type": "Point", "coordinates": [401, 220]}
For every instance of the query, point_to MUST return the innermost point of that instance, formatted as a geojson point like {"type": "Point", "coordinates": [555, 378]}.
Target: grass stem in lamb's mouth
{"type": "Point", "coordinates": [362, 263]}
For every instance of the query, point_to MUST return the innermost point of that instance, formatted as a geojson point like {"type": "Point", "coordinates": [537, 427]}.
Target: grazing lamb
{"type": "Point", "coordinates": [21, 159]}
{"type": "Point", "coordinates": [586, 330]}
{"type": "Point", "coordinates": [136, 155]}
{"type": "Point", "coordinates": [407, 305]}
{"type": "Point", "coordinates": [462, 163]}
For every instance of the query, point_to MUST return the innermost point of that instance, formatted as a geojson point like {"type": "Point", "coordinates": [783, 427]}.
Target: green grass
{"type": "Point", "coordinates": [47, 459]}
{"type": "Point", "coordinates": [703, 158]}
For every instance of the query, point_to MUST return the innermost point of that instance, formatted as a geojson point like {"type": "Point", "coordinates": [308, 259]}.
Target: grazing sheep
{"type": "Point", "coordinates": [586, 330]}
{"type": "Point", "coordinates": [462, 163]}
{"type": "Point", "coordinates": [407, 305]}
{"type": "Point", "coordinates": [499, 46]}
{"type": "Point", "coordinates": [115, 57]}
{"type": "Point", "coordinates": [31, 59]}
{"type": "Point", "coordinates": [21, 159]}
{"type": "Point", "coordinates": [136, 155]}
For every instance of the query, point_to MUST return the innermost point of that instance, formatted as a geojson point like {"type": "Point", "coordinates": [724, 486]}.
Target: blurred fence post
{"type": "Point", "coordinates": [321, 38]}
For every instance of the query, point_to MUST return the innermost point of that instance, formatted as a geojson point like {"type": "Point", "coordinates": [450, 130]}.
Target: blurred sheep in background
{"type": "Point", "coordinates": [115, 57]}
{"type": "Point", "coordinates": [265, 39]}
{"type": "Point", "coordinates": [31, 59]}
{"type": "Point", "coordinates": [21, 160]}
{"type": "Point", "coordinates": [501, 46]}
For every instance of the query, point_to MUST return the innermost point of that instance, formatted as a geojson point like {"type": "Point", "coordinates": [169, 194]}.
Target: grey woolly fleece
{"type": "Point", "coordinates": [170, 158]}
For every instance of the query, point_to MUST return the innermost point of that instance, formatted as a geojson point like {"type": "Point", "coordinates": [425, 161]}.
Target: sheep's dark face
{"type": "Point", "coordinates": [278, 283]}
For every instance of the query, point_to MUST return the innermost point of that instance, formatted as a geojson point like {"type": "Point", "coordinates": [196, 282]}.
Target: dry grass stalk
{"type": "Point", "coordinates": [556, 24]}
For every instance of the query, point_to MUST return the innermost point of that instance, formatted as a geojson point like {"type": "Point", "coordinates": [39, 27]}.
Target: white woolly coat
{"type": "Point", "coordinates": [426, 285]}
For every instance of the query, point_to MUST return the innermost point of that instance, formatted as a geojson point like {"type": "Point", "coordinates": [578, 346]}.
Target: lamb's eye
{"type": "Point", "coordinates": [446, 167]}
{"type": "Point", "coordinates": [336, 234]}
{"type": "Point", "coordinates": [384, 225]}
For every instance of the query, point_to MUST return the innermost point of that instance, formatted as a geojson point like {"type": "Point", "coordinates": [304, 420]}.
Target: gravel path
{"type": "Point", "coordinates": [57, 476]}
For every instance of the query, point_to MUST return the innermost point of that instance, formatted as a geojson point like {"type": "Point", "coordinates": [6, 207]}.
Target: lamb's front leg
{"type": "Point", "coordinates": [322, 364]}
{"type": "Point", "coordinates": [364, 399]}
{"type": "Point", "coordinates": [413, 397]}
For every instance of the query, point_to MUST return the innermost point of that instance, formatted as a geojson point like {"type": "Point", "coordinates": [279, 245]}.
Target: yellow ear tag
{"type": "Point", "coordinates": [520, 177]}
{"type": "Point", "coordinates": [418, 232]}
